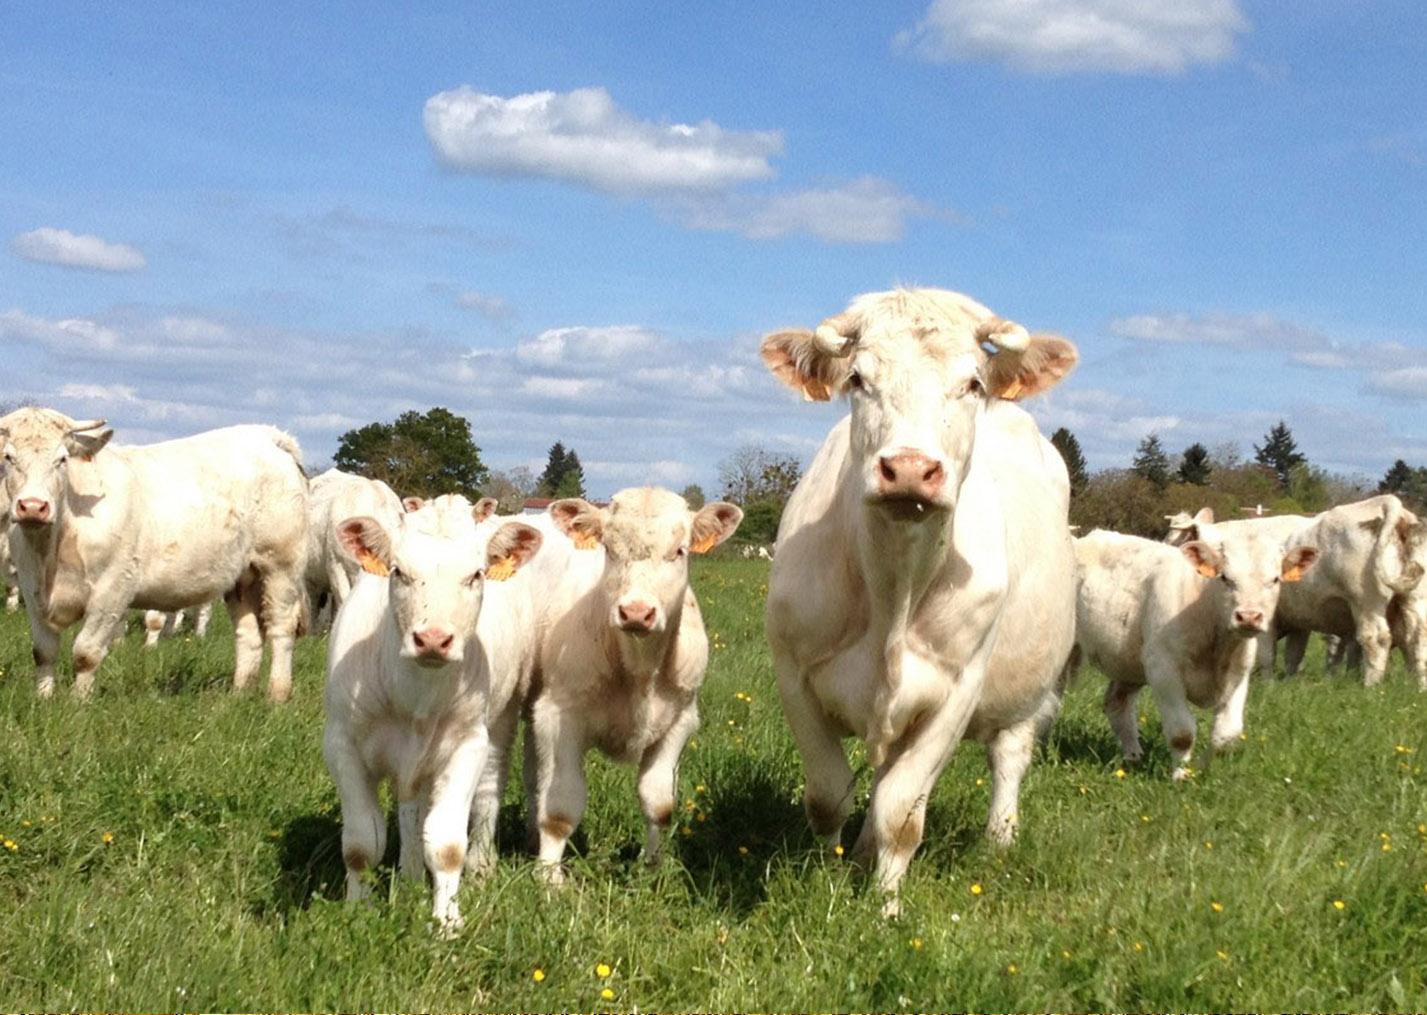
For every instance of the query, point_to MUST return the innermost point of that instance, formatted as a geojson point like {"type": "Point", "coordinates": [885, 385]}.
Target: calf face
{"type": "Point", "coordinates": [1249, 573]}
{"type": "Point", "coordinates": [647, 535]}
{"type": "Point", "coordinates": [437, 577]}
{"type": "Point", "coordinates": [918, 379]}
{"type": "Point", "coordinates": [36, 446]}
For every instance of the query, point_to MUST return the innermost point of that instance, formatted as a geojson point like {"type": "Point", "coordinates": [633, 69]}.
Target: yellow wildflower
{"type": "Point", "coordinates": [538, 976]}
{"type": "Point", "coordinates": [1217, 907]}
{"type": "Point", "coordinates": [976, 889]}
{"type": "Point", "coordinates": [603, 970]}
{"type": "Point", "coordinates": [916, 944]}
{"type": "Point", "coordinates": [1223, 955]}
{"type": "Point", "coordinates": [837, 851]}
{"type": "Point", "coordinates": [1339, 904]}
{"type": "Point", "coordinates": [107, 838]}
{"type": "Point", "coordinates": [1013, 969]}
{"type": "Point", "coordinates": [607, 994]}
{"type": "Point", "coordinates": [1119, 773]}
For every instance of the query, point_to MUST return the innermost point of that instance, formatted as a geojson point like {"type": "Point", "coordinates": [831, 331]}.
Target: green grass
{"type": "Point", "coordinates": [221, 886]}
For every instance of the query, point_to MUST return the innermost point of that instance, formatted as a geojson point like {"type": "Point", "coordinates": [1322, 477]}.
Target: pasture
{"type": "Point", "coordinates": [172, 846]}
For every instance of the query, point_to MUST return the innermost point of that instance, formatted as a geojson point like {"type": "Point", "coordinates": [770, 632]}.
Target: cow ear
{"type": "Point", "coordinates": [410, 504]}
{"type": "Point", "coordinates": [580, 520]}
{"type": "Point", "coordinates": [485, 507]}
{"type": "Point", "coordinates": [803, 363]}
{"type": "Point", "coordinates": [510, 549]}
{"type": "Point", "coordinates": [1204, 516]}
{"type": "Point", "coordinates": [367, 543]}
{"type": "Point", "coordinates": [1297, 561]}
{"type": "Point", "coordinates": [713, 523]}
{"type": "Point", "coordinates": [1016, 373]}
{"type": "Point", "coordinates": [1203, 557]}
{"type": "Point", "coordinates": [88, 443]}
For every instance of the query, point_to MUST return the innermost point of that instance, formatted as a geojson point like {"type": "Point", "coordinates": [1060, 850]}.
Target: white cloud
{"type": "Point", "coordinates": [47, 245]}
{"type": "Point", "coordinates": [492, 308]}
{"type": "Point", "coordinates": [1249, 330]}
{"type": "Point", "coordinates": [1405, 382]}
{"type": "Point", "coordinates": [1065, 36]}
{"type": "Point", "coordinates": [577, 346]}
{"type": "Point", "coordinates": [866, 210]}
{"type": "Point", "coordinates": [583, 138]}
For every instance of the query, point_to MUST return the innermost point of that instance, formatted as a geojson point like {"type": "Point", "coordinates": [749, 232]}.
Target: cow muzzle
{"type": "Point", "coordinates": [33, 511]}
{"type": "Point", "coordinates": [910, 483]}
{"type": "Point", "coordinates": [636, 616]}
{"type": "Point", "coordinates": [433, 646]}
{"type": "Point", "coordinates": [1250, 621]}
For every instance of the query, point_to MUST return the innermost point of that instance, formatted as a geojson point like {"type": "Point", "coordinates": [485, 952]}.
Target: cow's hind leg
{"type": "Point", "coordinates": [281, 612]}
{"type": "Point", "coordinates": [1375, 639]}
{"type": "Point", "coordinates": [1124, 720]}
{"type": "Point", "coordinates": [1009, 754]}
{"type": "Point", "coordinates": [242, 603]}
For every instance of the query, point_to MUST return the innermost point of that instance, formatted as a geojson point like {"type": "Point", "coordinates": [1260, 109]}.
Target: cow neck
{"type": "Point", "coordinates": [43, 543]}
{"type": "Point", "coordinates": [421, 693]}
{"type": "Point", "coordinates": [640, 661]}
{"type": "Point", "coordinates": [900, 563]}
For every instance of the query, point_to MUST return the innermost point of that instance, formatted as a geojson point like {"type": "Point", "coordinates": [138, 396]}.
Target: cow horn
{"type": "Point", "coordinates": [834, 335]}
{"type": "Point", "coordinates": [1003, 334]}
{"type": "Point", "coordinates": [93, 424]}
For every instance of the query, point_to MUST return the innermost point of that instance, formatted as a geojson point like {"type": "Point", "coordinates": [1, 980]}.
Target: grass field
{"type": "Point", "coordinates": [171, 845]}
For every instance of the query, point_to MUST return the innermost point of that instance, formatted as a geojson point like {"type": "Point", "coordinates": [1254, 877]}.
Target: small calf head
{"type": "Point", "coordinates": [1184, 527]}
{"type": "Point", "coordinates": [1249, 574]}
{"type": "Point", "coordinates": [36, 449]}
{"type": "Point", "coordinates": [647, 535]}
{"type": "Point", "coordinates": [437, 575]}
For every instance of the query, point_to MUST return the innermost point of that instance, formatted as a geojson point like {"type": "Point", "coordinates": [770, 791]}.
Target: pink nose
{"type": "Point", "coordinates": [1248, 618]}
{"type": "Point", "coordinates": [32, 509]}
{"type": "Point", "coordinates": [637, 616]}
{"type": "Point", "coordinates": [909, 474]}
{"type": "Point", "coordinates": [433, 641]}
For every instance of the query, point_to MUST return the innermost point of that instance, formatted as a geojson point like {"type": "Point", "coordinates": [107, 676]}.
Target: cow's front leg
{"type": "Point", "coordinates": [242, 602]}
{"type": "Point", "coordinates": [658, 775]}
{"type": "Point", "coordinates": [444, 829]}
{"type": "Point", "coordinates": [1124, 720]}
{"type": "Point", "coordinates": [1295, 645]}
{"type": "Point", "coordinates": [1229, 716]}
{"type": "Point", "coordinates": [103, 620]}
{"type": "Point", "coordinates": [363, 824]}
{"type": "Point", "coordinates": [1009, 754]}
{"type": "Point", "coordinates": [828, 794]}
{"type": "Point", "coordinates": [44, 647]}
{"type": "Point", "coordinates": [1176, 718]}
{"type": "Point", "coordinates": [559, 783]}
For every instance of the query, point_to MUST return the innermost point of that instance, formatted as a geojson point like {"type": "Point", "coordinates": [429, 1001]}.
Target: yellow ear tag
{"type": "Point", "coordinates": [500, 570]}
{"type": "Point", "coordinates": [372, 564]}
{"type": "Point", "coordinates": [1207, 570]}
{"type": "Point", "coordinates": [585, 541]}
{"type": "Point", "coordinates": [704, 545]}
{"type": "Point", "coordinates": [1012, 390]}
{"type": "Point", "coordinates": [1294, 573]}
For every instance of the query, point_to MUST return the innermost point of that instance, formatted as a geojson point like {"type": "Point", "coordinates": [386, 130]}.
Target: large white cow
{"type": "Point", "coordinates": [1369, 586]}
{"type": "Point", "coordinates": [1182, 621]}
{"type": "Point", "coordinates": [409, 689]}
{"type": "Point", "coordinates": [100, 529]}
{"type": "Point", "coordinates": [333, 496]}
{"type": "Point", "coordinates": [623, 656]}
{"type": "Point", "coordinates": [8, 576]}
{"type": "Point", "coordinates": [923, 587]}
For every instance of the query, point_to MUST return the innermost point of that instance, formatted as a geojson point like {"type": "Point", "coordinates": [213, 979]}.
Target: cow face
{"type": "Point", "coordinates": [913, 366]}
{"type": "Point", "coordinates": [1249, 574]}
{"type": "Point", "coordinates": [647, 535]}
{"type": "Point", "coordinates": [36, 449]}
{"type": "Point", "coordinates": [436, 576]}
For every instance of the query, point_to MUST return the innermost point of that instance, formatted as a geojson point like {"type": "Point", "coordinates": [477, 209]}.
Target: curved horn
{"type": "Point", "coordinates": [1003, 334]}
{"type": "Point", "coordinates": [834, 335]}
{"type": "Point", "coordinates": [93, 424]}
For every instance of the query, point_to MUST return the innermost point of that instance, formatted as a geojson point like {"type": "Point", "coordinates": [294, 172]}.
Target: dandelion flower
{"type": "Point", "coordinates": [1013, 969]}
{"type": "Point", "coordinates": [107, 838]}
{"type": "Point", "coordinates": [603, 970]}
{"type": "Point", "coordinates": [12, 845]}
{"type": "Point", "coordinates": [1341, 863]}
{"type": "Point", "coordinates": [916, 944]}
{"type": "Point", "coordinates": [1208, 844]}
{"type": "Point", "coordinates": [742, 850]}
{"type": "Point", "coordinates": [1119, 773]}
{"type": "Point", "coordinates": [538, 976]}
{"type": "Point", "coordinates": [1339, 904]}
{"type": "Point", "coordinates": [1065, 953]}
{"type": "Point", "coordinates": [837, 851]}
{"type": "Point", "coordinates": [1139, 946]}
{"type": "Point", "coordinates": [607, 994]}
{"type": "Point", "coordinates": [1217, 907]}
{"type": "Point", "coordinates": [1223, 955]}
{"type": "Point", "coordinates": [976, 889]}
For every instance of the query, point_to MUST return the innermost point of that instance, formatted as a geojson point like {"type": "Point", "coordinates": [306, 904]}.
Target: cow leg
{"type": "Point", "coordinates": [1414, 638]}
{"type": "Point", "coordinates": [827, 797]}
{"type": "Point", "coordinates": [658, 777]}
{"type": "Point", "coordinates": [560, 783]}
{"type": "Point", "coordinates": [12, 597]}
{"type": "Point", "coordinates": [44, 649]}
{"type": "Point", "coordinates": [339, 585]}
{"type": "Point", "coordinates": [282, 609]}
{"type": "Point", "coordinates": [485, 810]}
{"type": "Point", "coordinates": [1176, 718]}
{"type": "Point", "coordinates": [409, 817]}
{"type": "Point", "coordinates": [1267, 652]}
{"type": "Point", "coordinates": [205, 614]}
{"type": "Point", "coordinates": [153, 627]}
{"type": "Point", "coordinates": [1375, 639]}
{"type": "Point", "coordinates": [1009, 754]}
{"type": "Point", "coordinates": [444, 830]}
{"type": "Point", "coordinates": [1124, 720]}
{"type": "Point", "coordinates": [1294, 646]}
{"type": "Point", "coordinates": [247, 637]}
{"type": "Point", "coordinates": [1229, 717]}
{"type": "Point", "coordinates": [363, 824]}
{"type": "Point", "coordinates": [101, 624]}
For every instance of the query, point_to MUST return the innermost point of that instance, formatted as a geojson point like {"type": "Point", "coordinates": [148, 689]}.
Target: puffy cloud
{"type": "Point", "coordinates": [47, 245]}
{"type": "Point", "coordinates": [1066, 36]}
{"type": "Point", "coordinates": [577, 346]}
{"type": "Point", "coordinates": [582, 137]}
{"type": "Point", "coordinates": [492, 308]}
{"type": "Point", "coordinates": [866, 210]}
{"type": "Point", "coordinates": [1404, 382]}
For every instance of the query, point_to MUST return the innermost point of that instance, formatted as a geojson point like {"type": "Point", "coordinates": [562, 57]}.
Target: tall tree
{"type": "Point", "coordinates": [572, 481]}
{"type": "Point", "coordinates": [1151, 462]}
{"type": "Point", "coordinates": [694, 496]}
{"type": "Point", "coordinates": [760, 481]}
{"type": "Point", "coordinates": [563, 474]}
{"type": "Point", "coordinates": [1279, 452]}
{"type": "Point", "coordinates": [1397, 479]}
{"type": "Point", "coordinates": [421, 453]}
{"type": "Point", "coordinates": [1194, 467]}
{"type": "Point", "coordinates": [510, 487]}
{"type": "Point", "coordinates": [1069, 449]}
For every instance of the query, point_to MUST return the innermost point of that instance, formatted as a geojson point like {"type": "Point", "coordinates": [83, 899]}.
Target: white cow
{"type": "Point", "coordinates": [1369, 586]}
{"type": "Point", "coordinates": [101, 529]}
{"type": "Point", "coordinates": [158, 624]}
{"type": "Point", "coordinates": [410, 689]}
{"type": "Point", "coordinates": [333, 496]}
{"type": "Point", "coordinates": [1182, 621]}
{"type": "Point", "coordinates": [623, 656]}
{"type": "Point", "coordinates": [8, 575]}
{"type": "Point", "coordinates": [923, 587]}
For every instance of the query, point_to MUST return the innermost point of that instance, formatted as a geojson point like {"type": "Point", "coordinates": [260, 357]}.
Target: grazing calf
{"type": "Point", "coordinates": [1182, 620]}
{"type": "Point", "coordinates": [622, 658]}
{"type": "Point", "coordinates": [1369, 586]}
{"type": "Point", "coordinates": [409, 689]}
{"type": "Point", "coordinates": [333, 496]}
{"type": "Point", "coordinates": [102, 529]}
{"type": "Point", "coordinates": [923, 586]}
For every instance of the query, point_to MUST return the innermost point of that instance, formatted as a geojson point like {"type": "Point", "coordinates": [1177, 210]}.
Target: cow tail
{"type": "Point", "coordinates": [1393, 568]}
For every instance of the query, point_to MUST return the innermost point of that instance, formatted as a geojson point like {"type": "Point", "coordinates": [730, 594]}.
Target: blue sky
{"type": "Point", "coordinates": [574, 223]}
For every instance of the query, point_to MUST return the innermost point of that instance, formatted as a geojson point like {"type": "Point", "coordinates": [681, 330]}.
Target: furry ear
{"type": "Point", "coordinates": [1203, 557]}
{"type": "Point", "coordinates": [713, 523]}
{"type": "Point", "coordinates": [88, 442]}
{"type": "Point", "coordinates": [805, 364]}
{"type": "Point", "coordinates": [580, 520]}
{"type": "Point", "coordinates": [1014, 374]}
{"type": "Point", "coordinates": [510, 549]}
{"type": "Point", "coordinates": [367, 543]}
{"type": "Point", "coordinates": [1296, 562]}
{"type": "Point", "coordinates": [485, 507]}
{"type": "Point", "coordinates": [410, 504]}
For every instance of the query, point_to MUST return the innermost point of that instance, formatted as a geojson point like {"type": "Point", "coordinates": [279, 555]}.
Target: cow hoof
{"type": "Point", "coordinates": [892, 908]}
{"type": "Point", "coordinates": [1183, 774]}
{"type": "Point", "coordinates": [450, 926]}
{"type": "Point", "coordinates": [1001, 834]}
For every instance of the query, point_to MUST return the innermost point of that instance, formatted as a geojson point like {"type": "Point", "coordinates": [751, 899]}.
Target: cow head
{"type": "Point", "coordinates": [647, 535]}
{"type": "Point", "coordinates": [36, 449]}
{"type": "Point", "coordinates": [919, 368]}
{"type": "Point", "coordinates": [437, 575]}
{"type": "Point", "coordinates": [1184, 527]}
{"type": "Point", "coordinates": [1250, 573]}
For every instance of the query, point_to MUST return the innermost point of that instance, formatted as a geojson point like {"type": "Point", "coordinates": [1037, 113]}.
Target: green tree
{"type": "Point", "coordinates": [1397, 479]}
{"type": "Point", "coordinates": [1069, 449]}
{"type": "Point", "coordinates": [759, 481]}
{"type": "Point", "coordinates": [555, 469]}
{"type": "Point", "coordinates": [511, 488]}
{"type": "Point", "coordinates": [1194, 467]}
{"type": "Point", "coordinates": [1279, 452]}
{"type": "Point", "coordinates": [424, 454]}
{"type": "Point", "coordinates": [694, 496]}
{"type": "Point", "coordinates": [1151, 462]}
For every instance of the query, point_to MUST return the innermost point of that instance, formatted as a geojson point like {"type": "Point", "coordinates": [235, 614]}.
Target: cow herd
{"type": "Point", "coordinates": [925, 588]}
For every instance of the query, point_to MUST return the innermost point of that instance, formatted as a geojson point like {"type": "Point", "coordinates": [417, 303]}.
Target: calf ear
{"type": "Point", "coordinates": [1297, 561]}
{"type": "Point", "coordinates": [367, 543]}
{"type": "Point", "coordinates": [410, 504]}
{"type": "Point", "coordinates": [580, 520]}
{"type": "Point", "coordinates": [510, 549]}
{"type": "Point", "coordinates": [803, 363]}
{"type": "Point", "coordinates": [1203, 557]}
{"type": "Point", "coordinates": [1014, 374]}
{"type": "Point", "coordinates": [485, 507]}
{"type": "Point", "coordinates": [86, 444]}
{"type": "Point", "coordinates": [713, 523]}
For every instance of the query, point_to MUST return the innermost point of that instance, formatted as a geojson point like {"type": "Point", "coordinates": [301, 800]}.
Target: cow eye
{"type": "Point", "coordinates": [475, 579]}
{"type": "Point", "coordinates": [854, 381]}
{"type": "Point", "coordinates": [682, 551]}
{"type": "Point", "coordinates": [974, 387]}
